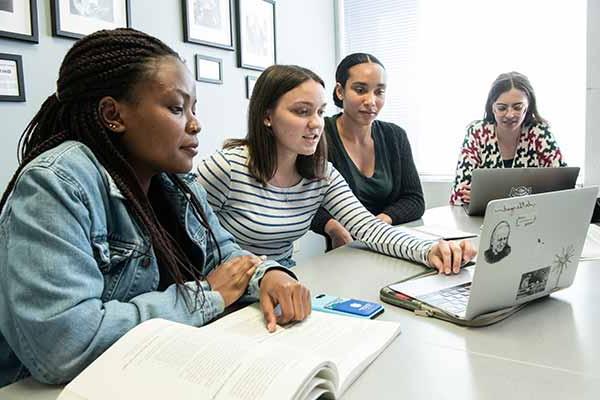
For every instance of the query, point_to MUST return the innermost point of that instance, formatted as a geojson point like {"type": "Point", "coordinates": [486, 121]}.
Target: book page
{"type": "Point", "coordinates": [276, 372]}
{"type": "Point", "coordinates": [350, 343]}
{"type": "Point", "coordinates": [160, 359]}
{"type": "Point", "coordinates": [234, 358]}
{"type": "Point", "coordinates": [591, 248]}
{"type": "Point", "coordinates": [317, 388]}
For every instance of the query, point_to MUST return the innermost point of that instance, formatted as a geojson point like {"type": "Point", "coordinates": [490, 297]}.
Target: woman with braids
{"type": "Point", "coordinates": [98, 232]}
{"type": "Point", "coordinates": [266, 188]}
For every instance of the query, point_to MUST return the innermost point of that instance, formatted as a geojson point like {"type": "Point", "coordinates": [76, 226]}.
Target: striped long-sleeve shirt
{"type": "Point", "coordinates": [266, 219]}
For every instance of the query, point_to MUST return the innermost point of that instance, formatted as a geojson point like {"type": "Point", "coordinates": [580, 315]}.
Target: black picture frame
{"type": "Point", "coordinates": [250, 82]}
{"type": "Point", "coordinates": [18, 60]}
{"type": "Point", "coordinates": [59, 20]}
{"type": "Point", "coordinates": [252, 54]}
{"type": "Point", "coordinates": [207, 35]}
{"type": "Point", "coordinates": [33, 18]}
{"type": "Point", "coordinates": [207, 76]}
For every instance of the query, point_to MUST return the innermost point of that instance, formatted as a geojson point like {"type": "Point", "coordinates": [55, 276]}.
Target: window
{"type": "Point", "coordinates": [441, 58]}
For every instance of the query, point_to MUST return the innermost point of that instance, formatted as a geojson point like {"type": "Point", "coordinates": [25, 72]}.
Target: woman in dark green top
{"type": "Point", "coordinates": [373, 156]}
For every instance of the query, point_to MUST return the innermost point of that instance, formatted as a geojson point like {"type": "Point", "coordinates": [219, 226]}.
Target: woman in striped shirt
{"type": "Point", "coordinates": [266, 188]}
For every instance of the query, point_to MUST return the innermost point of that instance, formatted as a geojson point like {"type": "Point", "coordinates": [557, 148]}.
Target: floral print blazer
{"type": "Point", "coordinates": [537, 148]}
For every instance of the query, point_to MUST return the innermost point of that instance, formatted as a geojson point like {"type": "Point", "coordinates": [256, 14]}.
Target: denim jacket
{"type": "Point", "coordinates": [77, 272]}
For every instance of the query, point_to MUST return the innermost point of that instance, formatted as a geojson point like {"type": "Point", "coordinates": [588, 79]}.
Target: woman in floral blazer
{"type": "Point", "coordinates": [511, 135]}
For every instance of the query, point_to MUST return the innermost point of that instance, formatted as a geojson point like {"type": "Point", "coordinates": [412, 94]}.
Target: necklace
{"type": "Point", "coordinates": [275, 181]}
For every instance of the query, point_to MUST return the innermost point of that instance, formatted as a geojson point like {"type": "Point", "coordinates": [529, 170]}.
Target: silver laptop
{"type": "Point", "coordinates": [528, 247]}
{"type": "Point", "coordinates": [498, 183]}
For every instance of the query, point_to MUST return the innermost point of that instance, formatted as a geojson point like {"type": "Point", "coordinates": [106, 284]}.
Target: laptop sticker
{"type": "Point", "coordinates": [525, 220]}
{"type": "Point", "coordinates": [499, 246]}
{"type": "Point", "coordinates": [522, 206]}
{"type": "Point", "coordinates": [518, 191]}
{"type": "Point", "coordinates": [533, 282]}
{"type": "Point", "coordinates": [561, 263]}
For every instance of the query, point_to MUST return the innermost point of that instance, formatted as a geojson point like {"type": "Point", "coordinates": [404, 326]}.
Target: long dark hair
{"type": "Point", "coordinates": [342, 73]}
{"type": "Point", "coordinates": [270, 86]}
{"type": "Point", "coordinates": [503, 83]}
{"type": "Point", "coordinates": [109, 63]}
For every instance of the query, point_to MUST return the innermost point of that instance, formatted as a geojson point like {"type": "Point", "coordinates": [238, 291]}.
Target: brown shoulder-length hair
{"type": "Point", "coordinates": [270, 86]}
{"type": "Point", "coordinates": [503, 83]}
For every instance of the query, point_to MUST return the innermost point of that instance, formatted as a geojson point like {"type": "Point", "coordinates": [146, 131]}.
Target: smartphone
{"type": "Point", "coordinates": [350, 307]}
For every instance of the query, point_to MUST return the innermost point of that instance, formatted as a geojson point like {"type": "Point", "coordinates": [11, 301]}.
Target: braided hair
{"type": "Point", "coordinates": [110, 63]}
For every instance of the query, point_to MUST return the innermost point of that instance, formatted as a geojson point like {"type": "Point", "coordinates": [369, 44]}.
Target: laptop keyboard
{"type": "Point", "coordinates": [453, 299]}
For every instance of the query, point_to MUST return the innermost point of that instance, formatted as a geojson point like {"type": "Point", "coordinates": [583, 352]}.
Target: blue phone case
{"type": "Point", "coordinates": [349, 307]}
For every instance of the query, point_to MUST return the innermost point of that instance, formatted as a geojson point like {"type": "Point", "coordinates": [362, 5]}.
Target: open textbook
{"type": "Point", "coordinates": [235, 358]}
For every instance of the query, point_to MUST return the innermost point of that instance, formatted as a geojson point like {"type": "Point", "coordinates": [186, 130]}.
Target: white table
{"type": "Point", "coordinates": [549, 350]}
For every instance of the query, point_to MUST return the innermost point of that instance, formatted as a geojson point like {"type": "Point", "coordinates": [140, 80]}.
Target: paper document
{"type": "Point", "coordinates": [442, 232]}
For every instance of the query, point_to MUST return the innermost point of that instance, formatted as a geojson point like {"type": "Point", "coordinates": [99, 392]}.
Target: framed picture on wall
{"type": "Point", "coordinates": [250, 81]}
{"type": "Point", "coordinates": [77, 18]}
{"type": "Point", "coordinates": [18, 20]}
{"type": "Point", "coordinates": [209, 69]}
{"type": "Point", "coordinates": [12, 87]}
{"type": "Point", "coordinates": [256, 33]}
{"type": "Point", "coordinates": [208, 22]}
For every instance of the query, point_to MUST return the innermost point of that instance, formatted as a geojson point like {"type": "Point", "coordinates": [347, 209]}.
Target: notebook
{"type": "Point", "coordinates": [498, 183]}
{"type": "Point", "coordinates": [529, 247]}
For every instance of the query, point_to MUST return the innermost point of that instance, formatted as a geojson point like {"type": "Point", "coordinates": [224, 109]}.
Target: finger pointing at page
{"type": "Point", "coordinates": [279, 288]}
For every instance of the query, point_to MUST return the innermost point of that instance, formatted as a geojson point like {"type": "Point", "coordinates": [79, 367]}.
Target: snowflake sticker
{"type": "Point", "coordinates": [562, 261]}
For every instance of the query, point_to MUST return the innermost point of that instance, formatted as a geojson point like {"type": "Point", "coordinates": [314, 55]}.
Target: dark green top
{"type": "Point", "coordinates": [394, 188]}
{"type": "Point", "coordinates": [372, 191]}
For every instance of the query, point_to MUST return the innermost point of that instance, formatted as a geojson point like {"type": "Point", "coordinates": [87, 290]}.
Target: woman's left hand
{"type": "Point", "coordinates": [277, 287]}
{"type": "Point", "coordinates": [448, 256]}
{"type": "Point", "coordinates": [385, 218]}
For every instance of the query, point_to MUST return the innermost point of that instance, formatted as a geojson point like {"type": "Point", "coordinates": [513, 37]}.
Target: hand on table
{"type": "Point", "coordinates": [385, 218]}
{"type": "Point", "coordinates": [338, 234]}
